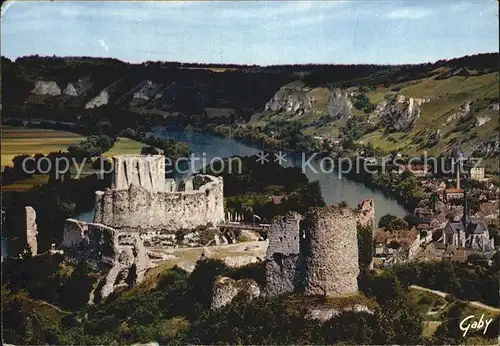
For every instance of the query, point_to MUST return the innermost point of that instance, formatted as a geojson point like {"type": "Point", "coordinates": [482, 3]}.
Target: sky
{"type": "Point", "coordinates": [252, 32]}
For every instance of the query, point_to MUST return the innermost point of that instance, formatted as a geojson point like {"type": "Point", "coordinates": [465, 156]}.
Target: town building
{"type": "Point", "coordinates": [390, 247]}
{"type": "Point", "coordinates": [467, 233]}
{"type": "Point", "coordinates": [450, 195]}
{"type": "Point", "coordinates": [477, 173]}
{"type": "Point", "coordinates": [434, 185]}
{"type": "Point", "coordinates": [420, 171]}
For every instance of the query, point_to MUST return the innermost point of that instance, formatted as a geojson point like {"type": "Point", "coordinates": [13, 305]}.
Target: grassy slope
{"type": "Point", "coordinates": [447, 95]}
{"type": "Point", "coordinates": [434, 309]}
{"type": "Point", "coordinates": [124, 146]}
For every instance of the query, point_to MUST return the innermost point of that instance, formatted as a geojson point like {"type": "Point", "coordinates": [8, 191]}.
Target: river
{"type": "Point", "coordinates": [334, 188]}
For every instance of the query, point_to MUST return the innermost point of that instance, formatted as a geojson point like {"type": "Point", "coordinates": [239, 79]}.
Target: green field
{"type": "Point", "coordinates": [20, 140]}
{"type": "Point", "coordinates": [124, 146]}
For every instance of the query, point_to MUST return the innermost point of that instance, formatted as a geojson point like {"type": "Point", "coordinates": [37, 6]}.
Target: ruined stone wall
{"type": "Point", "coordinates": [284, 263]}
{"type": "Point", "coordinates": [366, 213]}
{"type": "Point", "coordinates": [331, 250]}
{"type": "Point", "coordinates": [139, 209]}
{"type": "Point", "coordinates": [122, 257]}
{"type": "Point", "coordinates": [284, 236]}
{"type": "Point", "coordinates": [366, 230]}
{"type": "Point", "coordinates": [147, 171]}
{"type": "Point", "coordinates": [31, 230]}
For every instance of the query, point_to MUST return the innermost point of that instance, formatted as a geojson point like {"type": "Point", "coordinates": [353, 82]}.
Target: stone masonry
{"type": "Point", "coordinates": [366, 213]}
{"type": "Point", "coordinates": [141, 199]}
{"type": "Point", "coordinates": [284, 265]}
{"type": "Point", "coordinates": [31, 230]}
{"type": "Point", "coordinates": [147, 171]}
{"type": "Point", "coordinates": [366, 218]}
{"type": "Point", "coordinates": [332, 251]}
{"type": "Point", "coordinates": [318, 254]}
{"type": "Point", "coordinates": [121, 256]}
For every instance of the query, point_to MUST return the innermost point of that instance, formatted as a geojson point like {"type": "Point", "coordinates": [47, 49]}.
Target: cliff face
{"type": "Point", "coordinates": [339, 104]}
{"type": "Point", "coordinates": [292, 99]}
{"type": "Point", "coordinates": [399, 113]}
{"type": "Point", "coordinates": [49, 88]}
{"type": "Point", "coordinates": [80, 88]}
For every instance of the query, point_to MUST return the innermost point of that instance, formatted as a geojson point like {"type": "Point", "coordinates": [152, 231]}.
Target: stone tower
{"type": "Point", "coordinates": [31, 229]}
{"type": "Point", "coordinates": [146, 171]}
{"type": "Point", "coordinates": [331, 247]}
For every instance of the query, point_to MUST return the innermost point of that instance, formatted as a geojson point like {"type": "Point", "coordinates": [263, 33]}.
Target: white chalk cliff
{"type": "Point", "coordinates": [49, 88]}
{"type": "Point", "coordinates": [98, 101]}
{"type": "Point", "coordinates": [399, 113]}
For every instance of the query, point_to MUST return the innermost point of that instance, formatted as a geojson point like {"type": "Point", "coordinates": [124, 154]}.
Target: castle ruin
{"type": "Point", "coordinates": [120, 254]}
{"type": "Point", "coordinates": [142, 200]}
{"type": "Point", "coordinates": [31, 229]}
{"type": "Point", "coordinates": [316, 254]}
{"type": "Point", "coordinates": [332, 251]}
{"type": "Point", "coordinates": [141, 204]}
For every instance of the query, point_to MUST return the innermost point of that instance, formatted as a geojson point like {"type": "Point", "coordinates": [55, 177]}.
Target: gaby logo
{"type": "Point", "coordinates": [468, 323]}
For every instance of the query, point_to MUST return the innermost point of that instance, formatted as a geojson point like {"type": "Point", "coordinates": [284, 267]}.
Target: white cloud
{"type": "Point", "coordinates": [103, 45]}
{"type": "Point", "coordinates": [409, 13]}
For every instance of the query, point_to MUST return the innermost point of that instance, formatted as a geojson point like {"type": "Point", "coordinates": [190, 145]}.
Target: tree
{"type": "Point", "coordinates": [433, 200]}
{"type": "Point", "coordinates": [397, 224]}
{"type": "Point", "coordinates": [411, 220]}
{"type": "Point", "coordinates": [149, 150]}
{"type": "Point", "coordinates": [386, 220]}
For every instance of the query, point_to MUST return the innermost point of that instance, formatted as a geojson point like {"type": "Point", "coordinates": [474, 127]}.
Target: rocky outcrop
{"type": "Point", "coordinates": [339, 104]}
{"type": "Point", "coordinates": [120, 256]}
{"type": "Point", "coordinates": [399, 113]}
{"type": "Point", "coordinates": [324, 314]}
{"type": "Point", "coordinates": [481, 120]}
{"type": "Point", "coordinates": [98, 101]}
{"type": "Point", "coordinates": [240, 261]}
{"type": "Point", "coordinates": [78, 88]}
{"type": "Point", "coordinates": [332, 251]}
{"type": "Point", "coordinates": [31, 230]}
{"type": "Point", "coordinates": [374, 116]}
{"type": "Point", "coordinates": [248, 235]}
{"type": "Point", "coordinates": [226, 289]}
{"type": "Point", "coordinates": [462, 112]}
{"type": "Point", "coordinates": [49, 88]}
{"type": "Point", "coordinates": [147, 90]}
{"type": "Point", "coordinates": [292, 99]}
{"type": "Point", "coordinates": [434, 138]}
{"type": "Point", "coordinates": [490, 147]}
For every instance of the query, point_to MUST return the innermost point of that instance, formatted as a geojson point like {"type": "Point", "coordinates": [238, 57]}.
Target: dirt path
{"type": "Point", "coordinates": [444, 294]}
